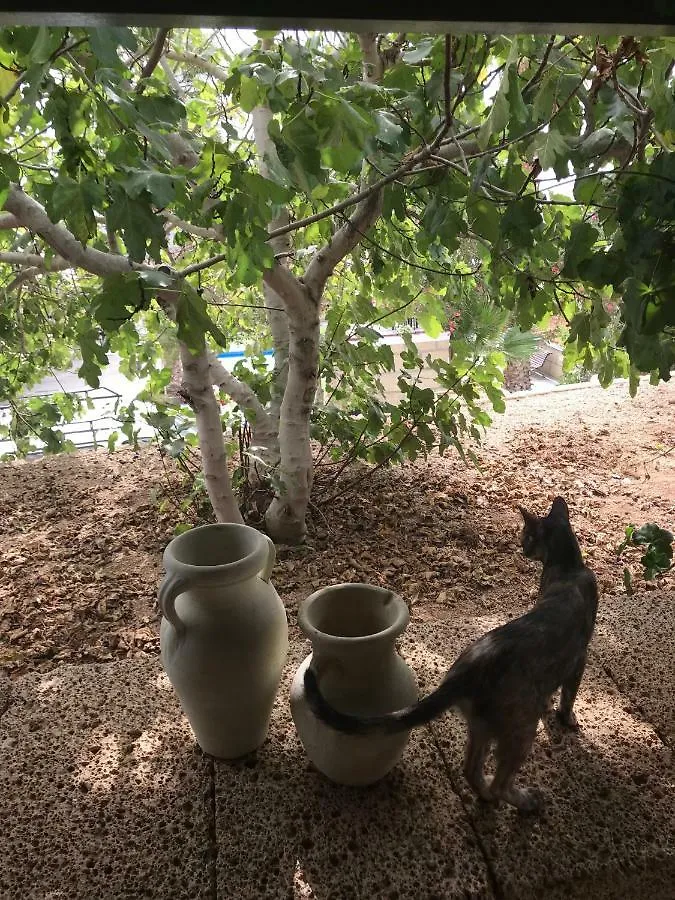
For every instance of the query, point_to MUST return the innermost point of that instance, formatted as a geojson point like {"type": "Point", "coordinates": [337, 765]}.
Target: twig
{"type": "Point", "coordinates": [446, 80]}
{"type": "Point", "coordinates": [542, 65]}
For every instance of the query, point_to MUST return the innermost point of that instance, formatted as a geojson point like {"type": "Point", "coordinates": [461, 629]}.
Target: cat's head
{"type": "Point", "coordinates": [538, 530]}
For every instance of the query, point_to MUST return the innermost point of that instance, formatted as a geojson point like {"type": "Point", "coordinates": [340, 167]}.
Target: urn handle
{"type": "Point", "coordinates": [271, 559]}
{"type": "Point", "coordinates": [169, 589]}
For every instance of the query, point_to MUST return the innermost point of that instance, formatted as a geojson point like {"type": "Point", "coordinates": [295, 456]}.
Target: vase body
{"type": "Point", "coordinates": [353, 630]}
{"type": "Point", "coordinates": [223, 635]}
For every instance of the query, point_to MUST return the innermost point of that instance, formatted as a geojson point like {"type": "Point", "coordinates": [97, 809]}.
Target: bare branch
{"type": "Point", "coordinates": [199, 267]}
{"type": "Point", "coordinates": [325, 260]}
{"type": "Point", "coordinates": [23, 276]}
{"type": "Point", "coordinates": [540, 69]}
{"type": "Point", "coordinates": [239, 391]}
{"type": "Point", "coordinates": [171, 78]}
{"type": "Point", "coordinates": [32, 215]}
{"type": "Point", "coordinates": [212, 234]}
{"type": "Point", "coordinates": [153, 59]}
{"type": "Point", "coordinates": [8, 222]}
{"type": "Point", "coordinates": [373, 64]}
{"type": "Point", "coordinates": [205, 65]}
{"type": "Point", "coordinates": [34, 261]}
{"type": "Point", "coordinates": [285, 285]}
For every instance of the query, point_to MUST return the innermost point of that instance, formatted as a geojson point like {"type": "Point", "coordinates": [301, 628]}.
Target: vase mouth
{"type": "Point", "coordinates": [353, 613]}
{"type": "Point", "coordinates": [223, 549]}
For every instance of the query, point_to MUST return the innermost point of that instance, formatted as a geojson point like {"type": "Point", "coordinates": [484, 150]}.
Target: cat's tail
{"type": "Point", "coordinates": [430, 707]}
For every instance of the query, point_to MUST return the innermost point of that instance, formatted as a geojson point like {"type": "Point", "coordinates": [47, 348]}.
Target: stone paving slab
{"type": "Point", "coordinates": [285, 831]}
{"type": "Point", "coordinates": [103, 793]}
{"type": "Point", "coordinates": [607, 830]}
{"type": "Point", "coordinates": [636, 643]}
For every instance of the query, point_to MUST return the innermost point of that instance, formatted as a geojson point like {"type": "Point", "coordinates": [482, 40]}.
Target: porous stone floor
{"type": "Point", "coordinates": [104, 794]}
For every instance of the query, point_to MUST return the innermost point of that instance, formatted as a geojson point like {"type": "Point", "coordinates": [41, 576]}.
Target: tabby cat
{"type": "Point", "coordinates": [503, 682]}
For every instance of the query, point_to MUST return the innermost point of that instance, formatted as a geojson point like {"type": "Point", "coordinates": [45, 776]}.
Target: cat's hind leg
{"type": "Point", "coordinates": [568, 695]}
{"type": "Point", "coordinates": [512, 751]}
{"type": "Point", "coordinates": [477, 747]}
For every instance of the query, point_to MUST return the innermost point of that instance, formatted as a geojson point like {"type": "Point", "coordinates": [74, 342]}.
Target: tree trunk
{"type": "Point", "coordinates": [285, 517]}
{"type": "Point", "coordinates": [197, 384]}
{"type": "Point", "coordinates": [282, 247]}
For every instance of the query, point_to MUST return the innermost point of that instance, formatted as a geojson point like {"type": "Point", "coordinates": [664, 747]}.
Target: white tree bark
{"type": "Point", "coordinates": [264, 429]}
{"type": "Point", "coordinates": [197, 384]}
{"type": "Point", "coordinates": [286, 515]}
{"type": "Point", "coordinates": [197, 381]}
{"type": "Point", "coordinates": [31, 214]}
{"type": "Point", "coordinates": [278, 321]}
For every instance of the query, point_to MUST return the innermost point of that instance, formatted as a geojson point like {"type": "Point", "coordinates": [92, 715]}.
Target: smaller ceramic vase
{"type": "Point", "coordinates": [353, 630]}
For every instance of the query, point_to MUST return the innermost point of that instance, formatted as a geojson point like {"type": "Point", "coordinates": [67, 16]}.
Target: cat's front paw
{"type": "Point", "coordinates": [567, 718]}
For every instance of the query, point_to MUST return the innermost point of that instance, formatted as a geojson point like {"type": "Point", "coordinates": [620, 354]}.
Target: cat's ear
{"type": "Point", "coordinates": [559, 509]}
{"type": "Point", "coordinates": [528, 518]}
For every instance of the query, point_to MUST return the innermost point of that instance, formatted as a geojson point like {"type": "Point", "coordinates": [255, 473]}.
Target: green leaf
{"type": "Point", "coordinates": [430, 324]}
{"type": "Point", "coordinates": [483, 219]}
{"type": "Point", "coordinates": [105, 41]}
{"type": "Point", "coordinates": [550, 146]}
{"type": "Point", "coordinates": [74, 202]}
{"type": "Point", "coordinates": [651, 533]}
{"type": "Point", "coordinates": [497, 119]}
{"type": "Point", "coordinates": [249, 94]}
{"type": "Point", "coordinates": [9, 170]}
{"type": "Point", "coordinates": [389, 128]}
{"type": "Point", "coordinates": [520, 221]}
{"type": "Point", "coordinates": [120, 298]}
{"type": "Point", "coordinates": [517, 108]}
{"type": "Point", "coordinates": [589, 190]}
{"type": "Point", "coordinates": [582, 239]}
{"type": "Point", "coordinates": [160, 186]}
{"type": "Point", "coordinates": [194, 322]}
{"type": "Point", "coordinates": [139, 226]}
{"type": "Point", "coordinates": [418, 53]}
{"type": "Point", "coordinates": [160, 109]}
{"type": "Point", "coordinates": [46, 43]}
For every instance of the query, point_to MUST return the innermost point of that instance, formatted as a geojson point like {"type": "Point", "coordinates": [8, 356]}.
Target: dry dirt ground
{"type": "Point", "coordinates": [81, 536]}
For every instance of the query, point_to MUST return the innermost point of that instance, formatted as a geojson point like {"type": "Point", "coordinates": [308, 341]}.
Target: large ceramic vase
{"type": "Point", "coordinates": [353, 630]}
{"type": "Point", "coordinates": [224, 635]}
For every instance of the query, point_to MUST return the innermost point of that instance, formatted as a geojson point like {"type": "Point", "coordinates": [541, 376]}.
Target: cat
{"type": "Point", "coordinates": [503, 682]}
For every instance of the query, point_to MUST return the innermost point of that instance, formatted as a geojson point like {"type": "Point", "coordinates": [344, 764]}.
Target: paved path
{"type": "Point", "coordinates": [103, 794]}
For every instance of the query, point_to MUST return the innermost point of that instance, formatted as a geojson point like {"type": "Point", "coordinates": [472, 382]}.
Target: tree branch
{"type": "Point", "coordinates": [32, 215]}
{"type": "Point", "coordinates": [171, 78]}
{"type": "Point", "coordinates": [212, 234]}
{"type": "Point", "coordinates": [373, 64]}
{"type": "Point", "coordinates": [192, 59]}
{"type": "Point", "coordinates": [289, 288]}
{"type": "Point", "coordinates": [34, 261]}
{"type": "Point", "coordinates": [324, 261]}
{"type": "Point", "coordinates": [153, 59]}
{"type": "Point", "coordinates": [422, 154]}
{"type": "Point", "coordinates": [239, 391]}
{"type": "Point", "coordinates": [8, 222]}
